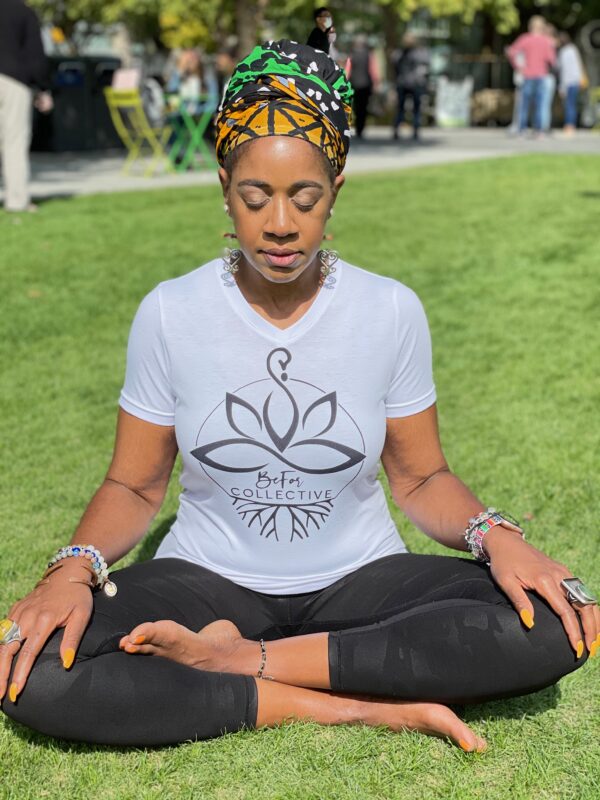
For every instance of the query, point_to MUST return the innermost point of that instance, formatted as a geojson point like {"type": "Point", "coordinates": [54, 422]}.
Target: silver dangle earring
{"type": "Point", "coordinates": [328, 259]}
{"type": "Point", "coordinates": [231, 260]}
{"type": "Point", "coordinates": [226, 208]}
{"type": "Point", "coordinates": [231, 263]}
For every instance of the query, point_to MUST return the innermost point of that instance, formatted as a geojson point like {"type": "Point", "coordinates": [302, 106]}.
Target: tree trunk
{"type": "Point", "coordinates": [390, 31]}
{"type": "Point", "coordinates": [248, 20]}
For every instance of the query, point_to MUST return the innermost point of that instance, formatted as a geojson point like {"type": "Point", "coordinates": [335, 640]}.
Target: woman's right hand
{"type": "Point", "coordinates": [60, 603]}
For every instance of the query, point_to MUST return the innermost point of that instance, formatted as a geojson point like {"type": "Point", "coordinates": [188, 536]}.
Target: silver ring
{"type": "Point", "coordinates": [10, 630]}
{"type": "Point", "coordinates": [577, 592]}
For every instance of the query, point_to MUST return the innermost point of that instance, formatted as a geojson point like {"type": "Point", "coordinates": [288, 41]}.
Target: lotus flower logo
{"type": "Point", "coordinates": [292, 451]}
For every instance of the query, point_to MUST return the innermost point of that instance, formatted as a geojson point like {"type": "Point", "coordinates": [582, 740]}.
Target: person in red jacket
{"type": "Point", "coordinates": [533, 54]}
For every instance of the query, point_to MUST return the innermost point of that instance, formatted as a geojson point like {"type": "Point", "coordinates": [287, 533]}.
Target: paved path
{"type": "Point", "coordinates": [66, 174]}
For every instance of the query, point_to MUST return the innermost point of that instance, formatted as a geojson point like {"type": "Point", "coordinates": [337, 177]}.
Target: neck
{"type": "Point", "coordinates": [279, 301]}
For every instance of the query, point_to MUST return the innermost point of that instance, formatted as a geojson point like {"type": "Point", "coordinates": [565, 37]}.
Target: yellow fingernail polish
{"type": "Point", "coordinates": [527, 618]}
{"type": "Point", "coordinates": [139, 639]}
{"type": "Point", "coordinates": [68, 657]}
{"type": "Point", "coordinates": [13, 692]}
{"type": "Point", "coordinates": [466, 747]}
{"type": "Point", "coordinates": [579, 649]}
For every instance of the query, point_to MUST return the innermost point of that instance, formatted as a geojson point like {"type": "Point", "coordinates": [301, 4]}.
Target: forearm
{"type": "Point", "coordinates": [441, 507]}
{"type": "Point", "coordinates": [115, 520]}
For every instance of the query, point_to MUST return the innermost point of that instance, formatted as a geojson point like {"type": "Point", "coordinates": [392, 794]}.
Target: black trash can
{"type": "Point", "coordinates": [80, 119]}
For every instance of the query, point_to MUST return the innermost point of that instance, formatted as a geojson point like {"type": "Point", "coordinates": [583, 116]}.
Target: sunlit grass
{"type": "Point", "coordinates": [506, 259]}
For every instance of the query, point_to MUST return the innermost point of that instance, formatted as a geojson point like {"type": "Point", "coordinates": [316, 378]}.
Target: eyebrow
{"type": "Point", "coordinates": [295, 187]}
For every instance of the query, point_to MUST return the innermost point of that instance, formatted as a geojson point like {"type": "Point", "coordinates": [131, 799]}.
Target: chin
{"type": "Point", "coordinates": [285, 275]}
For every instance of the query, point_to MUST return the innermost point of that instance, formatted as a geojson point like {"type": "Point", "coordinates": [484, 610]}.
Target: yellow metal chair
{"type": "Point", "coordinates": [136, 132]}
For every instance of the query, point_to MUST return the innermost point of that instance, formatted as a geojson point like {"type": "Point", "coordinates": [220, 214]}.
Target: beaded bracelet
{"type": "Point", "coordinates": [93, 558]}
{"type": "Point", "coordinates": [481, 524]}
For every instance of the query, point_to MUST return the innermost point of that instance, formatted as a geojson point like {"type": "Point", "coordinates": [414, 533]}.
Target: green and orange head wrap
{"type": "Point", "coordinates": [287, 89]}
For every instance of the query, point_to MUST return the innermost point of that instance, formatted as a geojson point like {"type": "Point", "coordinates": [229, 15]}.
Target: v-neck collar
{"type": "Point", "coordinates": [244, 310]}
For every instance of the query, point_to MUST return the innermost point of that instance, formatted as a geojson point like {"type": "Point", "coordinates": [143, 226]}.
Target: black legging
{"type": "Point", "coordinates": [408, 626]}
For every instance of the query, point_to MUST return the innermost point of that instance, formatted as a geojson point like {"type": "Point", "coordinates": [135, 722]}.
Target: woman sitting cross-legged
{"type": "Point", "coordinates": [283, 376]}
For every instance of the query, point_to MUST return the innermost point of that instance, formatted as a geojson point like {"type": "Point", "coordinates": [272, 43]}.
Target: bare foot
{"type": "Point", "coordinates": [214, 648]}
{"type": "Point", "coordinates": [433, 719]}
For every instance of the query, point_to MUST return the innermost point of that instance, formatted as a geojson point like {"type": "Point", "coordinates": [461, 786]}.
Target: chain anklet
{"type": "Point", "coordinates": [263, 662]}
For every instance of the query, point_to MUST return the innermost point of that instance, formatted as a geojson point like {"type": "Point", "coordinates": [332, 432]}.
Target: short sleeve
{"type": "Point", "coordinates": [147, 392]}
{"type": "Point", "coordinates": [411, 386]}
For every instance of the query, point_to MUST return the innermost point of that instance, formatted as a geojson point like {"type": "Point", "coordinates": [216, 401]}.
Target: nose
{"type": "Point", "coordinates": [280, 223]}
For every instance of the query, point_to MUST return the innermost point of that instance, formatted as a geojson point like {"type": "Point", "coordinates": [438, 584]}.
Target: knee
{"type": "Point", "coordinates": [551, 642]}
{"type": "Point", "coordinates": [40, 704]}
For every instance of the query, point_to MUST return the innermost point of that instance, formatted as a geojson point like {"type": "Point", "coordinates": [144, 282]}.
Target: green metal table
{"type": "Point", "coordinates": [189, 120]}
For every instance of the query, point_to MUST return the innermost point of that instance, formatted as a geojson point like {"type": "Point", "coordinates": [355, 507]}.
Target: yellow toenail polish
{"type": "Point", "coordinates": [68, 657]}
{"type": "Point", "coordinates": [593, 648]}
{"type": "Point", "coordinates": [139, 639]}
{"type": "Point", "coordinates": [466, 747]}
{"type": "Point", "coordinates": [579, 649]}
{"type": "Point", "coordinates": [13, 692]}
{"type": "Point", "coordinates": [527, 618]}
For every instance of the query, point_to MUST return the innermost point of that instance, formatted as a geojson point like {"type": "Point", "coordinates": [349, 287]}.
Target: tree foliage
{"type": "Point", "coordinates": [187, 23]}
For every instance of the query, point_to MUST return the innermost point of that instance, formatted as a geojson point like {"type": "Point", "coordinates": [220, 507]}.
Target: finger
{"type": "Point", "coordinates": [7, 653]}
{"type": "Point", "coordinates": [35, 639]}
{"type": "Point", "coordinates": [74, 629]}
{"type": "Point", "coordinates": [597, 619]}
{"type": "Point", "coordinates": [521, 602]}
{"type": "Point", "coordinates": [588, 622]}
{"type": "Point", "coordinates": [550, 590]}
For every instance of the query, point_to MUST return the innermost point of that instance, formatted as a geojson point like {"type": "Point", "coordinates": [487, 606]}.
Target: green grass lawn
{"type": "Point", "coordinates": [506, 258]}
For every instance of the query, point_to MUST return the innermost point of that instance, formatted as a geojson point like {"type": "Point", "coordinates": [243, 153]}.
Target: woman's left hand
{"type": "Point", "coordinates": [516, 566]}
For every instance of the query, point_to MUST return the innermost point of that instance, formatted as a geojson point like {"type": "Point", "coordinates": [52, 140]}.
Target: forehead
{"type": "Point", "coordinates": [280, 160]}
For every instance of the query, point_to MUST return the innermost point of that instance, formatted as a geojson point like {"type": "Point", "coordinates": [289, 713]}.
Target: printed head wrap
{"type": "Point", "coordinates": [287, 89]}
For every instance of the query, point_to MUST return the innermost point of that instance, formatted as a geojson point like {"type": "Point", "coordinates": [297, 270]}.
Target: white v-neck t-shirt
{"type": "Point", "coordinates": [280, 431]}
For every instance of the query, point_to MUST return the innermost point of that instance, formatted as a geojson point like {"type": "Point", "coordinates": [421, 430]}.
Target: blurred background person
{"type": "Point", "coordinates": [549, 84]}
{"type": "Point", "coordinates": [363, 73]}
{"type": "Point", "coordinates": [225, 62]}
{"type": "Point", "coordinates": [24, 79]}
{"type": "Point", "coordinates": [411, 65]}
{"type": "Point", "coordinates": [518, 80]}
{"type": "Point", "coordinates": [571, 78]}
{"type": "Point", "coordinates": [323, 34]}
{"type": "Point", "coordinates": [534, 54]}
{"type": "Point", "coordinates": [187, 80]}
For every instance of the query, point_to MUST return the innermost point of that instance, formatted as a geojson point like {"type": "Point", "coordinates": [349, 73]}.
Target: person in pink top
{"type": "Point", "coordinates": [534, 53]}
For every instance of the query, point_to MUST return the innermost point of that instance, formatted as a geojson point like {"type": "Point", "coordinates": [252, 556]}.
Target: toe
{"type": "Point", "coordinates": [448, 723]}
{"type": "Point", "coordinates": [144, 633]}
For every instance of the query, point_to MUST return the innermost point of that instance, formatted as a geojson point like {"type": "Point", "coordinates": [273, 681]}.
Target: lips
{"type": "Point", "coordinates": [281, 258]}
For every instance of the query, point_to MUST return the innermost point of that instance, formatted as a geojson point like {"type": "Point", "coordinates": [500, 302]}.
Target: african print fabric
{"type": "Point", "coordinates": [289, 89]}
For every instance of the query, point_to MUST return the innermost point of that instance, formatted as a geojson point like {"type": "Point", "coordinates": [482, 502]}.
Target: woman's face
{"type": "Point", "coordinates": [279, 198]}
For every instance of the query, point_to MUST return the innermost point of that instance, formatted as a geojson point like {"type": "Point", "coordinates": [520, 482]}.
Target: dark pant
{"type": "Point", "coordinates": [361, 102]}
{"type": "Point", "coordinates": [416, 94]}
{"type": "Point", "coordinates": [407, 626]}
{"type": "Point", "coordinates": [532, 92]}
{"type": "Point", "coordinates": [571, 95]}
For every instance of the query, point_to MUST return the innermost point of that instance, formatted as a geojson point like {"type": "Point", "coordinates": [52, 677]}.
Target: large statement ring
{"type": "Point", "coordinates": [577, 592]}
{"type": "Point", "coordinates": [9, 631]}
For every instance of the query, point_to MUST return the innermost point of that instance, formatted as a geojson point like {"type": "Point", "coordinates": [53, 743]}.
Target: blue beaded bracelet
{"type": "Point", "coordinates": [96, 561]}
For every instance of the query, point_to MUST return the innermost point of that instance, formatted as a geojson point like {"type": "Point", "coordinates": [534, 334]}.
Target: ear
{"type": "Point", "coordinates": [225, 182]}
{"type": "Point", "coordinates": [339, 181]}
